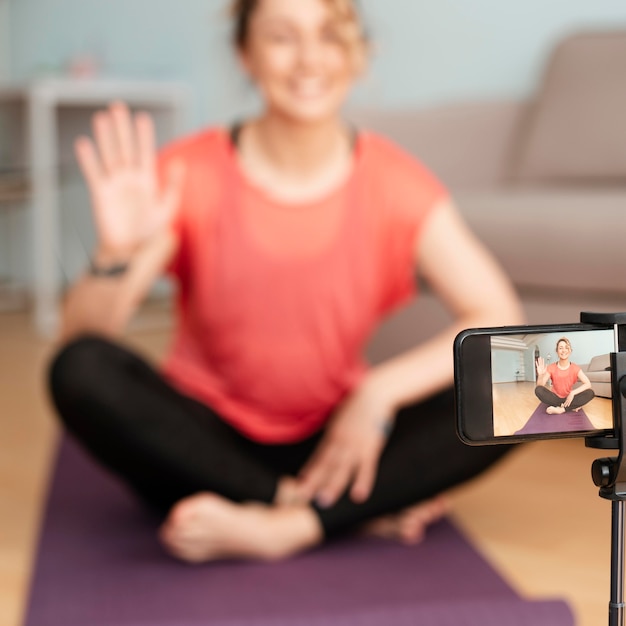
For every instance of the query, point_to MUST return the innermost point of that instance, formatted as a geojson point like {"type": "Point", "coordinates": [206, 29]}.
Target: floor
{"type": "Point", "coordinates": [514, 403]}
{"type": "Point", "coordinates": [537, 516]}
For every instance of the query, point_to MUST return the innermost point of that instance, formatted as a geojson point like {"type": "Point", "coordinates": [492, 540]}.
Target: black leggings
{"type": "Point", "coordinates": [551, 399]}
{"type": "Point", "coordinates": [167, 446]}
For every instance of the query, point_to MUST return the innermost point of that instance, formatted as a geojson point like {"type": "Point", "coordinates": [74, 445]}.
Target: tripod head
{"type": "Point", "coordinates": [610, 473]}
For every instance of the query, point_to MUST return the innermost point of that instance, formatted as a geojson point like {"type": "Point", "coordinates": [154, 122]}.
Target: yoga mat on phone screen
{"type": "Point", "coordinates": [542, 422]}
{"type": "Point", "coordinates": [99, 564]}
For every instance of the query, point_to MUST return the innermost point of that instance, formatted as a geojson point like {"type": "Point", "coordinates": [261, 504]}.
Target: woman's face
{"type": "Point", "coordinates": [298, 59]}
{"type": "Point", "coordinates": [563, 350]}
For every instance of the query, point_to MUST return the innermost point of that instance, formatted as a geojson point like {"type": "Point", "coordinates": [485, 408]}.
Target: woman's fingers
{"type": "Point", "coordinates": [335, 468]}
{"type": "Point", "coordinates": [124, 134]}
{"type": "Point", "coordinates": [88, 161]}
{"type": "Point", "coordinates": [327, 465]}
{"type": "Point", "coordinates": [106, 141]}
{"type": "Point", "coordinates": [337, 481]}
{"type": "Point", "coordinates": [313, 474]}
{"type": "Point", "coordinates": [123, 141]}
{"type": "Point", "coordinates": [365, 478]}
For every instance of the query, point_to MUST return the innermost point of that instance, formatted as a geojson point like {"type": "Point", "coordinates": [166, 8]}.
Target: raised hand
{"type": "Point", "coordinates": [120, 169]}
{"type": "Point", "coordinates": [541, 366]}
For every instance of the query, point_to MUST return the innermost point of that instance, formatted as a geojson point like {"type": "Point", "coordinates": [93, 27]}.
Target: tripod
{"type": "Point", "coordinates": [610, 473]}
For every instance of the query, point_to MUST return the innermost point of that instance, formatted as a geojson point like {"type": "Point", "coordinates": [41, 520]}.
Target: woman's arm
{"type": "Point", "coordinates": [543, 375]}
{"type": "Point", "coordinates": [104, 305]}
{"type": "Point", "coordinates": [132, 213]}
{"type": "Point", "coordinates": [584, 379]}
{"type": "Point", "coordinates": [586, 384]}
{"type": "Point", "coordinates": [471, 284]}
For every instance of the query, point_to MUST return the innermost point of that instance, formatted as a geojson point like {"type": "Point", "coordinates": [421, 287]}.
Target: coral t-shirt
{"type": "Point", "coordinates": [563, 380]}
{"type": "Point", "coordinates": [277, 300]}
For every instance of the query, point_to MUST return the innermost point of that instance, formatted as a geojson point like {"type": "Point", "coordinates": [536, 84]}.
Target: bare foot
{"type": "Point", "coordinates": [207, 527]}
{"type": "Point", "coordinates": [289, 493]}
{"type": "Point", "coordinates": [409, 525]}
{"type": "Point", "coordinates": [555, 410]}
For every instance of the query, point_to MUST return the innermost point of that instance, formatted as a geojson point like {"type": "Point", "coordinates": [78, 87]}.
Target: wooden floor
{"type": "Point", "coordinates": [536, 516]}
{"type": "Point", "coordinates": [514, 403]}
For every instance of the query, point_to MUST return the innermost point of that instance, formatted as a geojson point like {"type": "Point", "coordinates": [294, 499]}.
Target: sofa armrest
{"type": "Point", "coordinates": [468, 146]}
{"type": "Point", "coordinates": [563, 240]}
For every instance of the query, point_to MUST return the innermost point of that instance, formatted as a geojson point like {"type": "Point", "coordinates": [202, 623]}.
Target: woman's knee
{"type": "Point", "coordinates": [545, 395]}
{"type": "Point", "coordinates": [78, 369]}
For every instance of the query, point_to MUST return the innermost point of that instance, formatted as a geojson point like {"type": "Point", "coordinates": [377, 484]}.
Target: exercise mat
{"type": "Point", "coordinates": [98, 563]}
{"type": "Point", "coordinates": [542, 422]}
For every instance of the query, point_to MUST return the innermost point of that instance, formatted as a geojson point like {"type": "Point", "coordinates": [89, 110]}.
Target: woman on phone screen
{"type": "Point", "coordinates": [564, 375]}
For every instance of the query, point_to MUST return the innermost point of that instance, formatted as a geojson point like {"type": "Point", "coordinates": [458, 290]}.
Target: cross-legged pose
{"type": "Point", "coordinates": [290, 236]}
{"type": "Point", "coordinates": [564, 374]}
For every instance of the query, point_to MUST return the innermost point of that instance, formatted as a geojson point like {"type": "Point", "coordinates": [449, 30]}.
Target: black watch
{"type": "Point", "coordinates": [107, 271]}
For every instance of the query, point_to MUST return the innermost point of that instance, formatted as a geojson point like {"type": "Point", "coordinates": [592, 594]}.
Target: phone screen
{"type": "Point", "coordinates": [521, 383]}
{"type": "Point", "coordinates": [551, 382]}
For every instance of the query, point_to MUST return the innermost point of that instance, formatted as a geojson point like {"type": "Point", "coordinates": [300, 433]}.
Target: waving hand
{"type": "Point", "coordinates": [119, 166]}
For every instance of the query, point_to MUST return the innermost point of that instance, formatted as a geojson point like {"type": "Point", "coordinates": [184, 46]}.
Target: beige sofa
{"type": "Point", "coordinates": [599, 373]}
{"type": "Point", "coordinates": [542, 182]}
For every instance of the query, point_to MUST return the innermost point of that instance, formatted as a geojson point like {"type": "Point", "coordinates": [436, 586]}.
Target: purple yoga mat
{"type": "Point", "coordinates": [542, 422]}
{"type": "Point", "coordinates": [99, 564]}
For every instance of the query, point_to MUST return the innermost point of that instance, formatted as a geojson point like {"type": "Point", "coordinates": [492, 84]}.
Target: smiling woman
{"type": "Point", "coordinates": [290, 236]}
{"type": "Point", "coordinates": [563, 375]}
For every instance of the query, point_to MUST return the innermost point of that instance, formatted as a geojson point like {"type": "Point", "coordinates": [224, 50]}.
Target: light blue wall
{"type": "Point", "coordinates": [505, 363]}
{"type": "Point", "coordinates": [585, 345]}
{"type": "Point", "coordinates": [444, 50]}
{"type": "Point", "coordinates": [426, 52]}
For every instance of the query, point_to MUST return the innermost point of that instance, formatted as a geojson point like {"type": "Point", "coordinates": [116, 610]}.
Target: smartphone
{"type": "Point", "coordinates": [513, 384]}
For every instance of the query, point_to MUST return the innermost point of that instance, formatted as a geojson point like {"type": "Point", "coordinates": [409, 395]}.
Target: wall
{"type": "Point", "coordinates": [5, 44]}
{"type": "Point", "coordinates": [505, 364]}
{"type": "Point", "coordinates": [585, 345]}
{"type": "Point", "coordinates": [426, 52]}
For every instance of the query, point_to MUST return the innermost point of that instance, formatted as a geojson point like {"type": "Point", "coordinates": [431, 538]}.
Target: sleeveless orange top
{"type": "Point", "coordinates": [276, 301]}
{"type": "Point", "coordinates": [563, 381]}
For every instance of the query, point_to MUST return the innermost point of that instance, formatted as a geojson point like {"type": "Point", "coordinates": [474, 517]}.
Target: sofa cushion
{"type": "Point", "coordinates": [599, 377]}
{"type": "Point", "coordinates": [600, 363]}
{"type": "Point", "coordinates": [576, 130]}
{"type": "Point", "coordinates": [554, 238]}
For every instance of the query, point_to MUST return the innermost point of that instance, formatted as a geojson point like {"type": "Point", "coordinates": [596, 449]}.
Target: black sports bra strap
{"type": "Point", "coordinates": [237, 127]}
{"type": "Point", "coordinates": [235, 133]}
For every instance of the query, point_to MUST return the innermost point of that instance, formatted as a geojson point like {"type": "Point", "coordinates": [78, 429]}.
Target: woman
{"type": "Point", "coordinates": [290, 237]}
{"type": "Point", "coordinates": [564, 374]}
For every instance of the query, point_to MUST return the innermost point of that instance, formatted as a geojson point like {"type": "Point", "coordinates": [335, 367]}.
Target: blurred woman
{"type": "Point", "coordinates": [290, 235]}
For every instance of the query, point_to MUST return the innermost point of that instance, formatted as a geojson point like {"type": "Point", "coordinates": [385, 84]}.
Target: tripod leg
{"type": "Point", "coordinates": [616, 605]}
